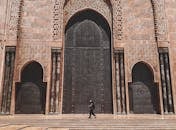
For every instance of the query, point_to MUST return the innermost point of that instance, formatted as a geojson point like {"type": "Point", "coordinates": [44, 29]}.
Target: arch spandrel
{"type": "Point", "coordinates": [20, 67]}
{"type": "Point", "coordinates": [148, 63]}
{"type": "Point", "coordinates": [108, 2]}
{"type": "Point", "coordinates": [79, 5]}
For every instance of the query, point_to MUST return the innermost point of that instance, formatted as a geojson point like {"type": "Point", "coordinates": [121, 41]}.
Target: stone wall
{"type": "Point", "coordinates": [139, 27]}
{"type": "Point", "coordinates": [139, 35]}
{"type": "Point", "coordinates": [3, 5]}
{"type": "Point", "coordinates": [35, 32]}
{"type": "Point", "coordinates": [171, 44]}
{"type": "Point", "coordinates": [138, 38]}
{"type": "Point", "coordinates": [35, 37]}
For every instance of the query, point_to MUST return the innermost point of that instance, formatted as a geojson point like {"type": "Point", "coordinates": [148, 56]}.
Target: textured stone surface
{"type": "Point", "coordinates": [99, 6]}
{"type": "Point", "coordinates": [80, 122]}
{"type": "Point", "coordinates": [170, 9]}
{"type": "Point", "coordinates": [3, 17]}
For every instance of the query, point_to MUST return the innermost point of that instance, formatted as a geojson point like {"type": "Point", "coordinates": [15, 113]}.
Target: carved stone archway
{"type": "Point", "coordinates": [102, 7]}
{"type": "Point", "coordinates": [143, 92]}
{"type": "Point", "coordinates": [31, 91]}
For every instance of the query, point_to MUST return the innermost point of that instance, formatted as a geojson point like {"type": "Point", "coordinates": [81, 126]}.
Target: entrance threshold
{"type": "Point", "coordinates": [85, 116]}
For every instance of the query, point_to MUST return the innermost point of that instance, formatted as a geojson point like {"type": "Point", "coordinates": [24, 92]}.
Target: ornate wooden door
{"type": "Point", "coordinates": [87, 66]}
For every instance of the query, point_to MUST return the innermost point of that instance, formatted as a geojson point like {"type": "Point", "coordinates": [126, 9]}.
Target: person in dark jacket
{"type": "Point", "coordinates": [91, 109]}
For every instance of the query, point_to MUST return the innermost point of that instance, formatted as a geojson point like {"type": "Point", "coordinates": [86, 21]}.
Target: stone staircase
{"type": "Point", "coordinates": [81, 122]}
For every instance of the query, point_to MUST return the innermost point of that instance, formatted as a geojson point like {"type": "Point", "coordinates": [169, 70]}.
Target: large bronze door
{"type": "Point", "coordinates": [87, 66]}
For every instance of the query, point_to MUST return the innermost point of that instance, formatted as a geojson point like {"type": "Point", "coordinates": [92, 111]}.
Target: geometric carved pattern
{"type": "Point", "coordinates": [160, 20]}
{"type": "Point", "coordinates": [57, 19]}
{"type": "Point", "coordinates": [73, 6]}
{"type": "Point", "coordinates": [158, 8]}
{"type": "Point", "coordinates": [117, 20]}
{"type": "Point", "coordinates": [14, 17]}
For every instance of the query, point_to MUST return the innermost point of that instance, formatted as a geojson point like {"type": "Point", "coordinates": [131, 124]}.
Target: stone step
{"type": "Point", "coordinates": [14, 127]}
{"type": "Point", "coordinates": [81, 122]}
{"type": "Point", "coordinates": [20, 127]}
{"type": "Point", "coordinates": [11, 127]}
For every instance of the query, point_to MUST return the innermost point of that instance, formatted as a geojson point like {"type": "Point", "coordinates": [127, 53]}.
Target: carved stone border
{"type": "Point", "coordinates": [160, 20]}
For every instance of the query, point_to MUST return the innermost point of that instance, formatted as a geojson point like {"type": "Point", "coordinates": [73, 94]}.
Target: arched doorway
{"type": "Point", "coordinates": [143, 92]}
{"type": "Point", "coordinates": [87, 65]}
{"type": "Point", "coordinates": [30, 92]}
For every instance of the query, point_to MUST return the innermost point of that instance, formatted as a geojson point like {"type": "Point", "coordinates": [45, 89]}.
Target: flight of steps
{"type": "Point", "coordinates": [81, 122]}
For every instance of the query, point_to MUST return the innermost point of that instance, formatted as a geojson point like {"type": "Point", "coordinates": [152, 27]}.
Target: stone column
{"type": "Point", "coordinates": [52, 93]}
{"type": "Point", "coordinates": [118, 84]}
{"type": "Point", "coordinates": [168, 82]}
{"type": "Point", "coordinates": [2, 61]}
{"type": "Point", "coordinates": [5, 84]}
{"type": "Point", "coordinates": [12, 59]}
{"type": "Point", "coordinates": [58, 61]}
{"type": "Point", "coordinates": [163, 81]}
{"type": "Point", "coordinates": [122, 82]}
{"type": "Point", "coordinates": [8, 80]}
{"type": "Point", "coordinates": [55, 82]}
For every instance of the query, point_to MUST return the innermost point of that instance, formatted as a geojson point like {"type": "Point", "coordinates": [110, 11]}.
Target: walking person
{"type": "Point", "coordinates": [91, 109]}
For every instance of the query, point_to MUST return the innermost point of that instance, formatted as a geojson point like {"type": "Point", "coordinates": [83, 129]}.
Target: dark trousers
{"type": "Point", "coordinates": [91, 112]}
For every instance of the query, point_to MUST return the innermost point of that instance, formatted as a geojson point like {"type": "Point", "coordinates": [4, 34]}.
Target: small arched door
{"type": "Point", "coordinates": [143, 92]}
{"type": "Point", "coordinates": [87, 66]}
{"type": "Point", "coordinates": [30, 92]}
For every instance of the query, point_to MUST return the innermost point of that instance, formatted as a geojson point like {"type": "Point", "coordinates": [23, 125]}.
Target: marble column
{"type": "Point", "coordinates": [12, 59]}
{"type": "Point", "coordinates": [168, 82]}
{"type": "Point", "coordinates": [122, 82]}
{"type": "Point", "coordinates": [58, 62]}
{"type": "Point", "coordinates": [118, 84]}
{"type": "Point", "coordinates": [52, 89]}
{"type": "Point", "coordinates": [55, 82]}
{"type": "Point", "coordinates": [163, 81]}
{"type": "Point", "coordinates": [8, 80]}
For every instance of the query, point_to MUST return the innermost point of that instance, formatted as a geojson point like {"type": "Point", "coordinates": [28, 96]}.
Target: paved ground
{"type": "Point", "coordinates": [81, 122]}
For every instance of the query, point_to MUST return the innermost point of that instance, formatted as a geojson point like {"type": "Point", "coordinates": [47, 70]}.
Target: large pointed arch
{"type": "Point", "coordinates": [87, 63]}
